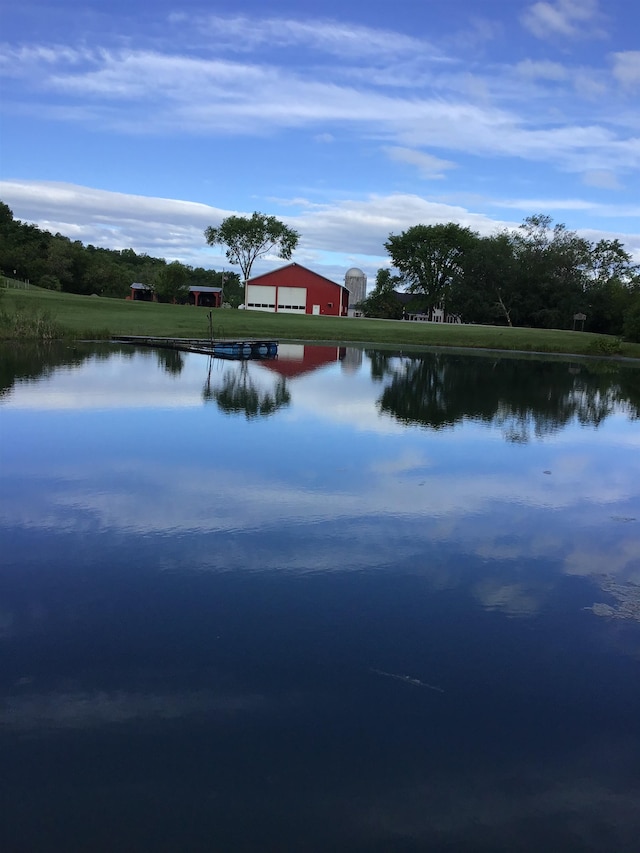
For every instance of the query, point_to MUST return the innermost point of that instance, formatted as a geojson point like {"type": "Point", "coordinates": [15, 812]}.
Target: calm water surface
{"type": "Point", "coordinates": [341, 601]}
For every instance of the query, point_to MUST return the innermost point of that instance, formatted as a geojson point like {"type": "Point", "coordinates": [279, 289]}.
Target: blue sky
{"type": "Point", "coordinates": [137, 125]}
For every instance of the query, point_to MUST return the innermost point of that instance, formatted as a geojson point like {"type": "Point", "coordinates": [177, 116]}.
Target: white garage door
{"type": "Point", "coordinates": [261, 297]}
{"type": "Point", "coordinates": [292, 300]}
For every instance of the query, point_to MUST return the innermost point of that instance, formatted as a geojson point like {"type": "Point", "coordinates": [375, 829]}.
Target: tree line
{"type": "Point", "coordinates": [540, 275]}
{"type": "Point", "coordinates": [55, 262]}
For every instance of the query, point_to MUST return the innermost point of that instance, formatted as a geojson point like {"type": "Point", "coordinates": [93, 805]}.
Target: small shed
{"type": "Point", "coordinates": [199, 295]}
{"type": "Point", "coordinates": [142, 293]}
{"type": "Point", "coordinates": [205, 297]}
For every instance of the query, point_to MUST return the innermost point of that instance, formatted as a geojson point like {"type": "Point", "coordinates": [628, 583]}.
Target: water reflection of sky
{"type": "Point", "coordinates": [120, 445]}
{"type": "Point", "coordinates": [234, 560]}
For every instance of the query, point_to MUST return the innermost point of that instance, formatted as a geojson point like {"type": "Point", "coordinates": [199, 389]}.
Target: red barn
{"type": "Point", "coordinates": [296, 290]}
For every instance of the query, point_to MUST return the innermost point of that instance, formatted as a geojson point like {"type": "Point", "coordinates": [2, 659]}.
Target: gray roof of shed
{"type": "Point", "coordinates": [137, 285]}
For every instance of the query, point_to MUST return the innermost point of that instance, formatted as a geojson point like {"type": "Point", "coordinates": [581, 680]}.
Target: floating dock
{"type": "Point", "coordinates": [218, 348]}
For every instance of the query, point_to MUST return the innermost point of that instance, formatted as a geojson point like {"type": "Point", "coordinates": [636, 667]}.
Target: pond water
{"type": "Point", "coordinates": [344, 600]}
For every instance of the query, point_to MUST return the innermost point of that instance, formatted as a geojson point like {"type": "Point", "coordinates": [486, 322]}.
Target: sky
{"type": "Point", "coordinates": [135, 125]}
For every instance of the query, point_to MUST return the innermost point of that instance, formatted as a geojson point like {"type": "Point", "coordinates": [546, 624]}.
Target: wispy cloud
{"type": "Point", "coordinates": [428, 166]}
{"type": "Point", "coordinates": [626, 68]}
{"type": "Point", "coordinates": [542, 70]}
{"type": "Point", "coordinates": [552, 204]}
{"type": "Point", "coordinates": [563, 18]}
{"type": "Point", "coordinates": [386, 84]}
{"type": "Point", "coordinates": [351, 42]}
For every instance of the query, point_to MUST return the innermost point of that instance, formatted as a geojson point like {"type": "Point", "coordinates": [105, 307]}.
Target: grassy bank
{"type": "Point", "coordinates": [92, 316]}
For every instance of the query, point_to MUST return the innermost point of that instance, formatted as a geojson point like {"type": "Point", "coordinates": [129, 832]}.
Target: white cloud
{"type": "Point", "coordinates": [429, 167]}
{"type": "Point", "coordinates": [349, 41]}
{"type": "Point", "coordinates": [568, 18]}
{"type": "Point", "coordinates": [174, 229]}
{"type": "Point", "coordinates": [632, 211]}
{"type": "Point", "coordinates": [542, 70]}
{"type": "Point", "coordinates": [364, 225]}
{"type": "Point", "coordinates": [626, 68]}
{"type": "Point", "coordinates": [335, 235]}
{"type": "Point", "coordinates": [160, 227]}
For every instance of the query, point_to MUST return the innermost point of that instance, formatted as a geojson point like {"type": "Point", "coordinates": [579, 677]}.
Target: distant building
{"type": "Point", "coordinates": [200, 296]}
{"type": "Point", "coordinates": [142, 293]}
{"type": "Point", "coordinates": [294, 289]}
{"type": "Point", "coordinates": [205, 297]}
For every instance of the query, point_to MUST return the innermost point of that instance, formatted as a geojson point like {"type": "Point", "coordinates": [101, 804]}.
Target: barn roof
{"type": "Point", "coordinates": [293, 264]}
{"type": "Point", "coordinates": [137, 285]}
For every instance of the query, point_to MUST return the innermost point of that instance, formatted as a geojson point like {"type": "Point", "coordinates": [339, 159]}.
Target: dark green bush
{"type": "Point", "coordinates": [605, 346]}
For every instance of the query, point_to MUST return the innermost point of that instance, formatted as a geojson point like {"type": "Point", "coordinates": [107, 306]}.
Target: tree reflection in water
{"type": "Point", "coordinates": [171, 360]}
{"type": "Point", "coordinates": [238, 394]}
{"type": "Point", "coordinates": [33, 360]}
{"type": "Point", "coordinates": [523, 397]}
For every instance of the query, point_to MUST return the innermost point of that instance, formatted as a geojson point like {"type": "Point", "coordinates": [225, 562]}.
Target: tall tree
{"type": "Point", "coordinates": [248, 238]}
{"type": "Point", "coordinates": [429, 258]}
{"type": "Point", "coordinates": [552, 272]}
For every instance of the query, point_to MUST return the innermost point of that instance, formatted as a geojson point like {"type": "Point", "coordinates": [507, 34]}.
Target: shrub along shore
{"type": "Point", "coordinates": [43, 314]}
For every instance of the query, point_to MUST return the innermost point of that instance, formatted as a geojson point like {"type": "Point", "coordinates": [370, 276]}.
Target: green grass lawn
{"type": "Point", "coordinates": [91, 316]}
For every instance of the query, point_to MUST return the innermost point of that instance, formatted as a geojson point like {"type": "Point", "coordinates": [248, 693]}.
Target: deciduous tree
{"type": "Point", "coordinates": [429, 258]}
{"type": "Point", "coordinates": [248, 238]}
{"type": "Point", "coordinates": [552, 268]}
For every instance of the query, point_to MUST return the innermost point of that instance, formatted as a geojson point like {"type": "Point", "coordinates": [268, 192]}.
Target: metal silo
{"type": "Point", "coordinates": [356, 283]}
